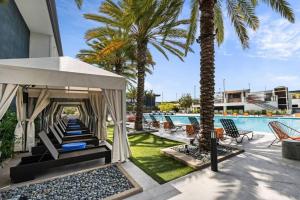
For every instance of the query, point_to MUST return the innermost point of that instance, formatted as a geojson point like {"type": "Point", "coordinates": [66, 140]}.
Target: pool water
{"type": "Point", "coordinates": [242, 122]}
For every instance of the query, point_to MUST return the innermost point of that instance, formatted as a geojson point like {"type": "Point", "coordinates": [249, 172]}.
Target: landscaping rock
{"type": "Point", "coordinates": [95, 184]}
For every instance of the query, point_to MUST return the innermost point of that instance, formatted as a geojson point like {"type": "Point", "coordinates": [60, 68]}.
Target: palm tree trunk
{"type": "Point", "coordinates": [118, 68]}
{"type": "Point", "coordinates": [141, 62]}
{"type": "Point", "coordinates": [207, 71]}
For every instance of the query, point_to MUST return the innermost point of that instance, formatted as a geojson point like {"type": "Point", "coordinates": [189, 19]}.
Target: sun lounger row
{"type": "Point", "coordinates": [59, 148]}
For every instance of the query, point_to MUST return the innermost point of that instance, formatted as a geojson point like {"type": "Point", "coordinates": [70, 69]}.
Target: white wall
{"type": "Point", "coordinates": [296, 102]}
{"type": "Point", "coordinates": [53, 48]}
{"type": "Point", "coordinates": [250, 106]}
{"type": "Point", "coordinates": [39, 45]}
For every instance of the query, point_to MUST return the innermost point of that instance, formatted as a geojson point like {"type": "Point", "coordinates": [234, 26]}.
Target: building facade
{"type": "Point", "coordinates": [29, 29]}
{"type": "Point", "coordinates": [280, 98]}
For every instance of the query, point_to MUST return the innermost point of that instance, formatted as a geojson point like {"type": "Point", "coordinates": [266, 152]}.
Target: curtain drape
{"type": "Point", "coordinates": [19, 130]}
{"type": "Point", "coordinates": [52, 111]}
{"type": "Point", "coordinates": [46, 119]}
{"type": "Point", "coordinates": [60, 112]}
{"type": "Point", "coordinates": [86, 121]}
{"type": "Point", "coordinates": [7, 94]}
{"type": "Point", "coordinates": [98, 105]}
{"type": "Point", "coordinates": [114, 100]}
{"type": "Point", "coordinates": [42, 102]}
{"type": "Point", "coordinates": [90, 114]}
{"type": "Point", "coordinates": [81, 114]}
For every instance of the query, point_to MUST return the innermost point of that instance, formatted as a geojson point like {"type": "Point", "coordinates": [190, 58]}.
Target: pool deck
{"type": "Point", "coordinates": [259, 173]}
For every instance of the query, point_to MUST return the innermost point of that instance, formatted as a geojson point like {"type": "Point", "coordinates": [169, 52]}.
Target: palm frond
{"type": "Point", "coordinates": [283, 7]}
{"type": "Point", "coordinates": [219, 23]}
{"type": "Point", "coordinates": [237, 22]}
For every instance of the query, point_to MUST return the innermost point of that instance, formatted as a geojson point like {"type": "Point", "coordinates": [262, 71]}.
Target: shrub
{"type": "Point", "coordinates": [167, 107]}
{"type": "Point", "coordinates": [7, 137]}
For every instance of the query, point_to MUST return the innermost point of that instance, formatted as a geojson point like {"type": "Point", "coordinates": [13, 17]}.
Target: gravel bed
{"type": "Point", "coordinates": [95, 184]}
{"type": "Point", "coordinates": [204, 156]}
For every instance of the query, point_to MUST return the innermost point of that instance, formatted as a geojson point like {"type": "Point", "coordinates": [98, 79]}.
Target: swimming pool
{"type": "Point", "coordinates": [242, 122]}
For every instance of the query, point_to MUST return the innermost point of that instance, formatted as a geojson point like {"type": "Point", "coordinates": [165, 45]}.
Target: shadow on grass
{"type": "Point", "coordinates": [146, 155]}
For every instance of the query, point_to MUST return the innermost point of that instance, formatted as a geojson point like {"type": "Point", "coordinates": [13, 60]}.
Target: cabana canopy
{"type": "Point", "coordinates": [58, 71]}
{"type": "Point", "coordinates": [49, 80]}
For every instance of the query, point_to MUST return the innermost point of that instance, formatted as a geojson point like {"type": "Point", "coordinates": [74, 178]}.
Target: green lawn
{"type": "Point", "coordinates": [146, 155]}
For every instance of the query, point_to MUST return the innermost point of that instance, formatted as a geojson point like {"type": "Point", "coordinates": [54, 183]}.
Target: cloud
{"type": "Point", "coordinates": [286, 78]}
{"type": "Point", "coordinates": [148, 85]}
{"type": "Point", "coordinates": [275, 39]}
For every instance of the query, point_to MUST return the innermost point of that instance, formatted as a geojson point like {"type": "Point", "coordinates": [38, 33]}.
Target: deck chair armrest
{"type": "Point", "coordinates": [243, 132]}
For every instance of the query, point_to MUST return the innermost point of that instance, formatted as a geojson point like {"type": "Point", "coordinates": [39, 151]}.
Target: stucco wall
{"type": "Point", "coordinates": [39, 45]}
{"type": "Point", "coordinates": [14, 37]}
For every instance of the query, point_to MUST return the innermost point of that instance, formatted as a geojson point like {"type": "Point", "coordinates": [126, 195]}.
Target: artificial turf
{"type": "Point", "coordinates": [146, 155]}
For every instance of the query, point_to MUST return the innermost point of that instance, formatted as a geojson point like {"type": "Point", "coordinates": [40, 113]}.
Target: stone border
{"type": "Point", "coordinates": [195, 163]}
{"type": "Point", "coordinates": [135, 190]}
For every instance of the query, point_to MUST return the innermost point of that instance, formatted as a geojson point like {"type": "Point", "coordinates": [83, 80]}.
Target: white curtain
{"type": "Point", "coordinates": [114, 100]}
{"type": "Point", "coordinates": [52, 112]}
{"type": "Point", "coordinates": [19, 130]}
{"type": "Point", "coordinates": [42, 102]}
{"type": "Point", "coordinates": [86, 121]}
{"type": "Point", "coordinates": [47, 115]}
{"type": "Point", "coordinates": [81, 114]}
{"type": "Point", "coordinates": [7, 94]}
{"type": "Point", "coordinates": [98, 105]}
{"type": "Point", "coordinates": [58, 113]}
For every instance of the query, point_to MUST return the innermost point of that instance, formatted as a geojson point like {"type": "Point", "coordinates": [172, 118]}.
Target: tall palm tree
{"type": "Point", "coordinates": [242, 15]}
{"type": "Point", "coordinates": [147, 22]}
{"type": "Point", "coordinates": [131, 94]}
{"type": "Point", "coordinates": [110, 50]}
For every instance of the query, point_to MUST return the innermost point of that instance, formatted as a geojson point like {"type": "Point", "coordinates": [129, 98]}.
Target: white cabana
{"type": "Point", "coordinates": [52, 79]}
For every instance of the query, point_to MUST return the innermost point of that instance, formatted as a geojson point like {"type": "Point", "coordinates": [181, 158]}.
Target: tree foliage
{"type": "Point", "coordinates": [7, 137]}
{"type": "Point", "coordinates": [185, 101]}
{"type": "Point", "coordinates": [241, 14]}
{"type": "Point", "coordinates": [167, 107]}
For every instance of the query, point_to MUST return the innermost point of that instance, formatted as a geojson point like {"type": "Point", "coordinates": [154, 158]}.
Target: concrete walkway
{"type": "Point", "coordinates": [259, 173]}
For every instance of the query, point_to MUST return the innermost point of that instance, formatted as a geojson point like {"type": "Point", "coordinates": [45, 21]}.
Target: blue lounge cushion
{"type": "Point", "coordinates": [73, 146]}
{"type": "Point", "coordinates": [73, 126]}
{"type": "Point", "coordinates": [74, 133]}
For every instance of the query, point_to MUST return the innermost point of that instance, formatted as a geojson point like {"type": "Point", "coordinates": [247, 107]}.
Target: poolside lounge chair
{"type": "Point", "coordinates": [39, 149]}
{"type": "Point", "coordinates": [232, 131]}
{"type": "Point", "coordinates": [53, 157]}
{"type": "Point", "coordinates": [172, 126]}
{"type": "Point", "coordinates": [196, 125]}
{"type": "Point", "coordinates": [72, 131]}
{"type": "Point", "coordinates": [282, 131]}
{"type": "Point", "coordinates": [146, 123]}
{"type": "Point", "coordinates": [154, 123]}
{"type": "Point", "coordinates": [70, 135]}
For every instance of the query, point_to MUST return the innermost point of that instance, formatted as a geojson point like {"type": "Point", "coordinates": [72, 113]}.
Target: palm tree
{"type": "Point", "coordinates": [147, 22]}
{"type": "Point", "coordinates": [131, 94]}
{"type": "Point", "coordinates": [242, 15]}
{"type": "Point", "coordinates": [111, 50]}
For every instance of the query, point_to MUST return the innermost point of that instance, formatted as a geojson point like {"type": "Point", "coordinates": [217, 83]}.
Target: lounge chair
{"type": "Point", "coordinates": [282, 131]}
{"type": "Point", "coordinates": [70, 135]}
{"type": "Point", "coordinates": [72, 131]}
{"type": "Point", "coordinates": [154, 123]}
{"type": "Point", "coordinates": [146, 123]}
{"type": "Point", "coordinates": [39, 149]}
{"type": "Point", "coordinates": [232, 131]}
{"type": "Point", "coordinates": [72, 124]}
{"type": "Point", "coordinates": [196, 125]}
{"type": "Point", "coordinates": [172, 126]}
{"type": "Point", "coordinates": [53, 157]}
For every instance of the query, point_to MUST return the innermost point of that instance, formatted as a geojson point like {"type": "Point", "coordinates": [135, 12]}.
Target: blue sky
{"type": "Point", "coordinates": [272, 60]}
